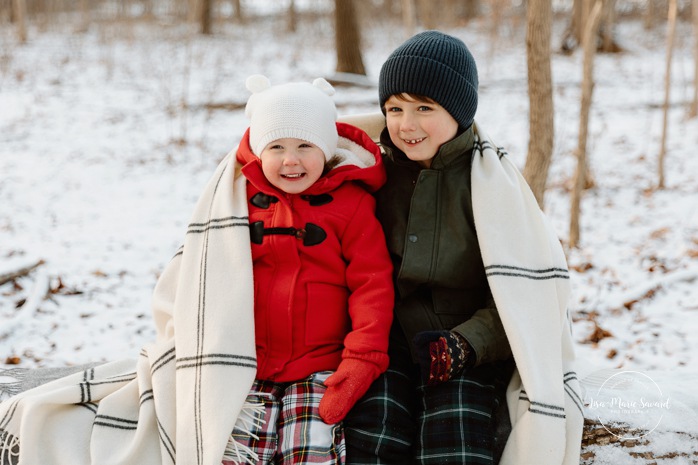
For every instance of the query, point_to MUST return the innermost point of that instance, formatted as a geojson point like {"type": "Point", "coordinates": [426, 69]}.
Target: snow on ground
{"type": "Point", "coordinates": [108, 137]}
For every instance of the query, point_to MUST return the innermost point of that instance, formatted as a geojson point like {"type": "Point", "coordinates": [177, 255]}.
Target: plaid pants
{"type": "Point", "coordinates": [292, 431]}
{"type": "Point", "coordinates": [400, 421]}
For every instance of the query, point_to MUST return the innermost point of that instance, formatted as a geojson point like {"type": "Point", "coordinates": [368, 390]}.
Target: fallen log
{"type": "Point", "coordinates": [611, 443]}
{"type": "Point", "coordinates": [7, 276]}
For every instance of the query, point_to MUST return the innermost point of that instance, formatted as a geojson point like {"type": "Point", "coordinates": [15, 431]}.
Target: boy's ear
{"type": "Point", "coordinates": [371, 123]}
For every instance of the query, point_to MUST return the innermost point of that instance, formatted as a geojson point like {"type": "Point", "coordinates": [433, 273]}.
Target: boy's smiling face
{"type": "Point", "coordinates": [418, 127]}
{"type": "Point", "coordinates": [292, 165]}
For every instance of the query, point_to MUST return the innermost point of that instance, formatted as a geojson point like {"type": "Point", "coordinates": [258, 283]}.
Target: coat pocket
{"type": "Point", "coordinates": [327, 316]}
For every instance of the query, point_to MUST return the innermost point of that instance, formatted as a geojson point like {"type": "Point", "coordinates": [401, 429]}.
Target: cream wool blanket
{"type": "Point", "coordinates": [527, 272]}
{"type": "Point", "coordinates": [179, 401]}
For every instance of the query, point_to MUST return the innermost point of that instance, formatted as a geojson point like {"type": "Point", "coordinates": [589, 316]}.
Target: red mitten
{"type": "Point", "coordinates": [345, 386]}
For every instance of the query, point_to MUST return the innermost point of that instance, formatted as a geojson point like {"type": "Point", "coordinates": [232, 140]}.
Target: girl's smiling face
{"type": "Point", "coordinates": [292, 165]}
{"type": "Point", "coordinates": [418, 127]}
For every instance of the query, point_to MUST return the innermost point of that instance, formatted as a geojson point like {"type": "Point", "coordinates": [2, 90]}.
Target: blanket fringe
{"type": "Point", "coordinates": [251, 419]}
{"type": "Point", "coordinates": [9, 449]}
{"type": "Point", "coordinates": [11, 387]}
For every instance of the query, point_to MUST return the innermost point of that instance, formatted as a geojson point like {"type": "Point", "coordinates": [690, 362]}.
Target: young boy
{"type": "Point", "coordinates": [479, 275]}
{"type": "Point", "coordinates": [323, 279]}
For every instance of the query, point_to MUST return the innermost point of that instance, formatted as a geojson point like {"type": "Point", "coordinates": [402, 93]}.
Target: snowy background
{"type": "Point", "coordinates": [108, 137]}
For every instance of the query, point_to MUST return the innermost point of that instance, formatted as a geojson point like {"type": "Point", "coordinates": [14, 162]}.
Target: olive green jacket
{"type": "Point", "coordinates": [427, 217]}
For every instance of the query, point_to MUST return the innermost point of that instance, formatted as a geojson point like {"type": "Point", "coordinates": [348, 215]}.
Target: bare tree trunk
{"type": "Point", "coordinates": [428, 12]}
{"type": "Point", "coordinates": [388, 7]}
{"type": "Point", "coordinates": [693, 112]}
{"type": "Point", "coordinates": [408, 17]}
{"type": "Point", "coordinates": [589, 44]}
{"type": "Point", "coordinates": [239, 14]}
{"type": "Point", "coordinates": [205, 16]}
{"type": "Point", "coordinates": [495, 22]}
{"type": "Point", "coordinates": [148, 8]}
{"type": "Point", "coordinates": [451, 10]}
{"type": "Point", "coordinates": [607, 27]}
{"type": "Point", "coordinates": [671, 33]}
{"type": "Point", "coordinates": [85, 16]}
{"type": "Point", "coordinates": [472, 8]}
{"type": "Point", "coordinates": [540, 91]}
{"type": "Point", "coordinates": [292, 23]}
{"type": "Point", "coordinates": [192, 10]}
{"type": "Point", "coordinates": [572, 36]}
{"type": "Point", "coordinates": [586, 15]}
{"type": "Point", "coordinates": [20, 15]}
{"type": "Point", "coordinates": [347, 38]}
{"type": "Point", "coordinates": [649, 14]}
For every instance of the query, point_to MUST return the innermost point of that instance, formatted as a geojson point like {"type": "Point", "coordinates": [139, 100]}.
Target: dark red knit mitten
{"type": "Point", "coordinates": [442, 355]}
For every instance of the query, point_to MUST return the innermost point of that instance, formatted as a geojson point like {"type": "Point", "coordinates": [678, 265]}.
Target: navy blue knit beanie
{"type": "Point", "coordinates": [434, 65]}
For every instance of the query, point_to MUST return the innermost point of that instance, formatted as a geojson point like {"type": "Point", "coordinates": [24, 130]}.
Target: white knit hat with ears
{"type": "Point", "coordinates": [297, 110]}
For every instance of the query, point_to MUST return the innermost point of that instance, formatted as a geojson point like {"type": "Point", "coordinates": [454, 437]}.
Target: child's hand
{"type": "Point", "coordinates": [442, 355]}
{"type": "Point", "coordinates": [346, 386]}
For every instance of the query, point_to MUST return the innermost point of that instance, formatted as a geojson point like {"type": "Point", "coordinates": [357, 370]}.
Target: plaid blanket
{"type": "Point", "coordinates": [290, 430]}
{"type": "Point", "coordinates": [176, 402]}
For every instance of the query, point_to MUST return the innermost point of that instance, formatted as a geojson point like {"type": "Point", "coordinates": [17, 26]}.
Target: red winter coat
{"type": "Point", "coordinates": [323, 279]}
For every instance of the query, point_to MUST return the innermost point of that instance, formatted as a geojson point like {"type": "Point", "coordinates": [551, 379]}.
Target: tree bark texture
{"type": "Point", "coordinates": [205, 16]}
{"type": "Point", "coordinates": [19, 8]}
{"type": "Point", "coordinates": [408, 17]}
{"type": "Point", "coordinates": [239, 14]}
{"type": "Point", "coordinates": [608, 28]}
{"type": "Point", "coordinates": [649, 14]}
{"type": "Point", "coordinates": [572, 36]}
{"type": "Point", "coordinates": [429, 13]}
{"type": "Point", "coordinates": [671, 33]}
{"type": "Point", "coordinates": [589, 44]}
{"type": "Point", "coordinates": [292, 17]}
{"type": "Point", "coordinates": [348, 38]}
{"type": "Point", "coordinates": [693, 112]}
{"type": "Point", "coordinates": [540, 92]}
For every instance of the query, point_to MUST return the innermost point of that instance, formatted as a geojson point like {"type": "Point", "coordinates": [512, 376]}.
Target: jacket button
{"type": "Point", "coordinates": [412, 238]}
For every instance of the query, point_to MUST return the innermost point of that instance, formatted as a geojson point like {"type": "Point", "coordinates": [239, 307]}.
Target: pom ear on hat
{"type": "Point", "coordinates": [257, 83]}
{"type": "Point", "coordinates": [297, 110]}
{"type": "Point", "coordinates": [324, 86]}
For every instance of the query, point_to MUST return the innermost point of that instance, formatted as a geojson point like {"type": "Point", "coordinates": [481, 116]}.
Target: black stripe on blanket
{"type": "Point", "coordinates": [115, 422]}
{"type": "Point", "coordinates": [529, 273]}
{"type": "Point", "coordinates": [481, 146]}
{"type": "Point", "coordinates": [574, 395]}
{"type": "Point", "coordinates": [166, 441]}
{"type": "Point", "coordinates": [179, 252]}
{"type": "Point", "coordinates": [91, 406]}
{"type": "Point", "coordinates": [163, 360]}
{"type": "Point", "coordinates": [85, 393]}
{"type": "Point", "coordinates": [146, 396]}
{"type": "Point", "coordinates": [218, 223]}
{"type": "Point", "coordinates": [88, 382]}
{"type": "Point", "coordinates": [542, 408]}
{"type": "Point", "coordinates": [217, 359]}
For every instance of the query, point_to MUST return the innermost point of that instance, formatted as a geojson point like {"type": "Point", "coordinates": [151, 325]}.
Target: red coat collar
{"type": "Point", "coordinates": [371, 177]}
